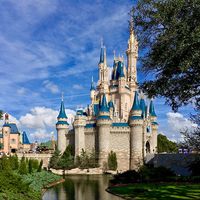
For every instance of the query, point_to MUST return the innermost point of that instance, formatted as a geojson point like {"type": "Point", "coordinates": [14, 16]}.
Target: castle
{"type": "Point", "coordinates": [11, 140]}
{"type": "Point", "coordinates": [117, 118]}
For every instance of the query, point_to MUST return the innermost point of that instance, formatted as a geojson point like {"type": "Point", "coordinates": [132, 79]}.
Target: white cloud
{"type": "Point", "coordinates": [51, 86]}
{"type": "Point", "coordinates": [41, 121]}
{"type": "Point", "coordinates": [178, 122]}
{"type": "Point", "coordinates": [77, 87]}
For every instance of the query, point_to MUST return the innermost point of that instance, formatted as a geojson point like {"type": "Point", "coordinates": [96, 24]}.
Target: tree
{"type": "Point", "coordinates": [169, 36]}
{"type": "Point", "coordinates": [30, 166]}
{"type": "Point", "coordinates": [40, 166]}
{"type": "Point", "coordinates": [1, 114]}
{"type": "Point", "coordinates": [165, 145]}
{"type": "Point", "coordinates": [23, 167]}
{"type": "Point", "coordinates": [53, 163]}
{"type": "Point", "coordinates": [14, 162]}
{"type": "Point", "coordinates": [192, 139]}
{"type": "Point", "coordinates": [112, 161]}
{"type": "Point", "coordinates": [67, 160]}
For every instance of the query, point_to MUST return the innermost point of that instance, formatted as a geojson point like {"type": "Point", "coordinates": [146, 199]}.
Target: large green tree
{"type": "Point", "coordinates": [169, 36]}
{"type": "Point", "coordinates": [165, 145]}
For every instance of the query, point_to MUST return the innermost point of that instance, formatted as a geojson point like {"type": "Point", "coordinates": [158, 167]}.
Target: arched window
{"type": "Point", "coordinates": [147, 147]}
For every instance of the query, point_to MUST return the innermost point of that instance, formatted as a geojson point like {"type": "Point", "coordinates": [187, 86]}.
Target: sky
{"type": "Point", "coordinates": [49, 47]}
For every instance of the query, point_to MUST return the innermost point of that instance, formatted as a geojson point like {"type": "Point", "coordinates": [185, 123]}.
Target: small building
{"type": "Point", "coordinates": [10, 138]}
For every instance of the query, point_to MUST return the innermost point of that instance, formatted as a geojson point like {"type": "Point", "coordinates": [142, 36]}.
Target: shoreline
{"type": "Point", "coordinates": [51, 185]}
{"type": "Point", "coordinates": [77, 171]}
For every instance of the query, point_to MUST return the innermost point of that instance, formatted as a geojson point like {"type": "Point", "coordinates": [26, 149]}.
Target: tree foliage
{"type": "Point", "coordinates": [169, 35]}
{"type": "Point", "coordinates": [1, 114]}
{"type": "Point", "coordinates": [23, 166]}
{"type": "Point", "coordinates": [165, 145]}
{"type": "Point", "coordinates": [66, 161]}
{"type": "Point", "coordinates": [53, 163]}
{"type": "Point", "coordinates": [87, 160]}
{"type": "Point", "coordinates": [112, 161]}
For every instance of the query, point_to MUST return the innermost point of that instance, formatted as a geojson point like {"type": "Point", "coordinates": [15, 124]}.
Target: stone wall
{"type": "Point", "coordinates": [39, 157]}
{"type": "Point", "coordinates": [120, 144]}
{"type": "Point", "coordinates": [89, 140]}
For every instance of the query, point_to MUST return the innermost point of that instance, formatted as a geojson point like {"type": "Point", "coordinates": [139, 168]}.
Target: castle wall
{"type": "Point", "coordinates": [90, 139]}
{"type": "Point", "coordinates": [120, 144]}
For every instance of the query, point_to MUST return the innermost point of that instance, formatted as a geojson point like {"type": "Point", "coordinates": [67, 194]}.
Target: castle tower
{"type": "Point", "coordinates": [132, 55]}
{"type": "Point", "coordinates": [103, 72]}
{"type": "Point", "coordinates": [62, 128]}
{"type": "Point", "coordinates": [79, 124]}
{"type": "Point", "coordinates": [6, 134]}
{"type": "Point", "coordinates": [154, 127]}
{"type": "Point", "coordinates": [136, 134]}
{"type": "Point", "coordinates": [104, 124]}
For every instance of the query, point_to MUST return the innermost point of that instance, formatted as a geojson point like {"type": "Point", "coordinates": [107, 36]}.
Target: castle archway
{"type": "Point", "coordinates": [147, 147]}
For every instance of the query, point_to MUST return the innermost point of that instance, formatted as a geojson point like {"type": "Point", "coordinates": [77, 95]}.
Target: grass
{"type": "Point", "coordinates": [161, 191]}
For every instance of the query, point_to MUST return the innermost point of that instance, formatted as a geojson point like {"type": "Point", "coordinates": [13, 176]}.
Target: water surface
{"type": "Point", "coordinates": [81, 187]}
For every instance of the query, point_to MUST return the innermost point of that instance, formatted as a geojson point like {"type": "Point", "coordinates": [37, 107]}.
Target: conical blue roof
{"type": "Point", "coordinates": [104, 105]}
{"type": "Point", "coordinates": [62, 113]}
{"type": "Point", "coordinates": [142, 106]}
{"type": "Point", "coordinates": [92, 86]}
{"type": "Point", "coordinates": [136, 103]}
{"type": "Point", "coordinates": [25, 139]}
{"type": "Point", "coordinates": [101, 55]}
{"type": "Point", "coordinates": [152, 110]}
{"type": "Point", "coordinates": [121, 67]}
{"type": "Point", "coordinates": [110, 104]}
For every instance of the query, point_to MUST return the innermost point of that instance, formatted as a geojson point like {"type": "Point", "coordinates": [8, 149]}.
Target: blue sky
{"type": "Point", "coordinates": [48, 47]}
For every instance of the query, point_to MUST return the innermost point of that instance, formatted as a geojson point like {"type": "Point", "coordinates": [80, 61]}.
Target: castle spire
{"type": "Point", "coordinates": [104, 105]}
{"type": "Point", "coordinates": [101, 52]}
{"type": "Point", "coordinates": [131, 22]}
{"type": "Point", "coordinates": [92, 85]}
{"type": "Point", "coordinates": [152, 110]}
{"type": "Point", "coordinates": [136, 103]}
{"type": "Point", "coordinates": [62, 113]}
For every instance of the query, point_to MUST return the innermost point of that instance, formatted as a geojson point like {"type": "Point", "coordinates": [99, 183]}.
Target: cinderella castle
{"type": "Point", "coordinates": [118, 118]}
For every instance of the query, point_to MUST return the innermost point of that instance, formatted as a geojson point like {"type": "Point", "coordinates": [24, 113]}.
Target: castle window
{"type": "Point", "coordinates": [13, 141]}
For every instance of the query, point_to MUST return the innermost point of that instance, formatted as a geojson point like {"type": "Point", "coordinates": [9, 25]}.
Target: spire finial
{"type": "Point", "coordinates": [101, 42]}
{"type": "Point", "coordinates": [62, 96]}
{"type": "Point", "coordinates": [131, 20]}
{"type": "Point", "coordinates": [114, 54]}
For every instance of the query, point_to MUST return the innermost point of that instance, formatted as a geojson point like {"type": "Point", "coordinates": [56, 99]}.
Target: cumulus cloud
{"type": "Point", "coordinates": [40, 121]}
{"type": "Point", "coordinates": [52, 87]}
{"type": "Point", "coordinates": [77, 87]}
{"type": "Point", "coordinates": [178, 122]}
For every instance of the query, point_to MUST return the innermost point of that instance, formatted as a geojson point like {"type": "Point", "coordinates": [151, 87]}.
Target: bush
{"type": "Point", "coordinates": [195, 167]}
{"type": "Point", "coordinates": [130, 176]}
{"type": "Point", "coordinates": [112, 161]}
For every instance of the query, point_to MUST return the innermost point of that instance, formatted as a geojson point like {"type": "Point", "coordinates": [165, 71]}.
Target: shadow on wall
{"type": "Point", "coordinates": [176, 162]}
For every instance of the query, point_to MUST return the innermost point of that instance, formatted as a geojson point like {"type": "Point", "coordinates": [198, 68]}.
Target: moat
{"type": "Point", "coordinates": [81, 187]}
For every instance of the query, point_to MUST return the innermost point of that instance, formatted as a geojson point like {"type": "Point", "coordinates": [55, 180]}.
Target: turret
{"type": "Point", "coordinates": [136, 134]}
{"type": "Point", "coordinates": [154, 126]}
{"type": "Point", "coordinates": [79, 124]}
{"type": "Point", "coordinates": [103, 71]}
{"type": "Point", "coordinates": [103, 123]}
{"type": "Point", "coordinates": [62, 128]}
{"type": "Point", "coordinates": [6, 134]}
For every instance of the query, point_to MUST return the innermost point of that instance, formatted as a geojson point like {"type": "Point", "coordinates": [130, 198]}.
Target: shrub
{"type": "Point", "coordinates": [112, 161]}
{"type": "Point", "coordinates": [194, 167]}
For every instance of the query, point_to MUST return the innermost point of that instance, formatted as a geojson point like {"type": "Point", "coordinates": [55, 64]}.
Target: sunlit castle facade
{"type": "Point", "coordinates": [118, 118]}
